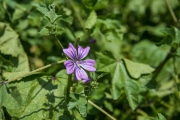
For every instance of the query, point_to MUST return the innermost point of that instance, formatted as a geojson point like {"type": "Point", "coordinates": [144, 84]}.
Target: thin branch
{"type": "Point", "coordinates": [159, 68]}
{"type": "Point", "coordinates": [34, 71]}
{"type": "Point", "coordinates": [171, 11]}
{"type": "Point", "coordinates": [100, 109]}
{"type": "Point", "coordinates": [59, 42]}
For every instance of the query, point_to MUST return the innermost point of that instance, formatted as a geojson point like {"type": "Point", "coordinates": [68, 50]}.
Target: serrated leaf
{"type": "Point", "coordinates": [78, 102]}
{"type": "Point", "coordinates": [137, 69]}
{"type": "Point", "coordinates": [91, 20]}
{"type": "Point", "coordinates": [49, 13]}
{"type": "Point", "coordinates": [120, 79]}
{"type": "Point", "coordinates": [37, 97]}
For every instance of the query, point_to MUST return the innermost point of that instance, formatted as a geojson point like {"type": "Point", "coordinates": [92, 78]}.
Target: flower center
{"type": "Point", "coordinates": [78, 63]}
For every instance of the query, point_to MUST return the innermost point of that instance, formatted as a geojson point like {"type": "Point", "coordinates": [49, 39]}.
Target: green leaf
{"type": "Point", "coordinates": [120, 79]}
{"type": "Point", "coordinates": [155, 54]}
{"type": "Point", "coordinates": [1, 101]}
{"type": "Point", "coordinates": [172, 37]}
{"type": "Point", "coordinates": [110, 65]}
{"type": "Point", "coordinates": [49, 13]}
{"type": "Point", "coordinates": [20, 11]}
{"type": "Point", "coordinates": [79, 102]}
{"type": "Point", "coordinates": [91, 20]}
{"type": "Point", "coordinates": [5, 61]}
{"type": "Point", "coordinates": [178, 52]}
{"type": "Point", "coordinates": [108, 34]}
{"type": "Point", "coordinates": [9, 37]}
{"type": "Point", "coordinates": [160, 117]}
{"type": "Point", "coordinates": [137, 69]}
{"type": "Point", "coordinates": [37, 97]}
{"type": "Point", "coordinates": [132, 92]}
{"type": "Point", "coordinates": [89, 3]}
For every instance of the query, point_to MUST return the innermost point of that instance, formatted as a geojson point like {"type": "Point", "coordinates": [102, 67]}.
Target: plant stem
{"type": "Point", "coordinates": [34, 71]}
{"type": "Point", "coordinates": [59, 42]}
{"type": "Point", "coordinates": [100, 109]}
{"type": "Point", "coordinates": [69, 88]}
{"type": "Point", "coordinates": [171, 11]}
{"type": "Point", "coordinates": [159, 68]}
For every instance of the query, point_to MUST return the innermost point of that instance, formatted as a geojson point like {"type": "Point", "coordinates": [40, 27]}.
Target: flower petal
{"type": "Point", "coordinates": [86, 81]}
{"type": "Point", "coordinates": [88, 65]}
{"type": "Point", "coordinates": [80, 74]}
{"type": "Point", "coordinates": [70, 66]}
{"type": "Point", "coordinates": [71, 52]}
{"type": "Point", "coordinates": [82, 52]}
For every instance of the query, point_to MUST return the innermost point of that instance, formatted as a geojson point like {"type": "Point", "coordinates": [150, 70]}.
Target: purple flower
{"type": "Point", "coordinates": [76, 64]}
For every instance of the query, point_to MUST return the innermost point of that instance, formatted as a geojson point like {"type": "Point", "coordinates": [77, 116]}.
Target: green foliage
{"type": "Point", "coordinates": [172, 37]}
{"type": "Point", "coordinates": [121, 79]}
{"type": "Point", "coordinates": [136, 73]}
{"type": "Point", "coordinates": [91, 20]}
{"type": "Point", "coordinates": [135, 49]}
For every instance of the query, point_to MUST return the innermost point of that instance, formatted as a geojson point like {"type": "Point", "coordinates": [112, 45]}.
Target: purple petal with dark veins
{"type": "Point", "coordinates": [88, 65]}
{"type": "Point", "coordinates": [82, 52]}
{"type": "Point", "coordinates": [80, 74]}
{"type": "Point", "coordinates": [70, 52]}
{"type": "Point", "coordinates": [70, 66]}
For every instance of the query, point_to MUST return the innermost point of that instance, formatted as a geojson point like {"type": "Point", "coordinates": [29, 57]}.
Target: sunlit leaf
{"type": "Point", "coordinates": [137, 69]}
{"type": "Point", "coordinates": [37, 97]}
{"type": "Point", "coordinates": [20, 11]}
{"type": "Point", "coordinates": [160, 117]}
{"type": "Point", "coordinates": [91, 20]}
{"type": "Point", "coordinates": [119, 79]}
{"type": "Point", "coordinates": [49, 13]}
{"type": "Point", "coordinates": [9, 37]}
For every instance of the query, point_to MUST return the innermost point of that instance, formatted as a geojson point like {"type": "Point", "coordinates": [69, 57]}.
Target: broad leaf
{"type": "Point", "coordinates": [109, 36]}
{"type": "Point", "coordinates": [137, 69]}
{"type": "Point", "coordinates": [20, 60]}
{"type": "Point", "coordinates": [91, 20]}
{"type": "Point", "coordinates": [9, 37]}
{"type": "Point", "coordinates": [37, 98]}
{"type": "Point", "coordinates": [120, 79]}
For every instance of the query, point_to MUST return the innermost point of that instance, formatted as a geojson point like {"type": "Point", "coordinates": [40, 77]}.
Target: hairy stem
{"type": "Point", "coordinates": [171, 11]}
{"type": "Point", "coordinates": [100, 109]}
{"type": "Point", "coordinates": [34, 71]}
